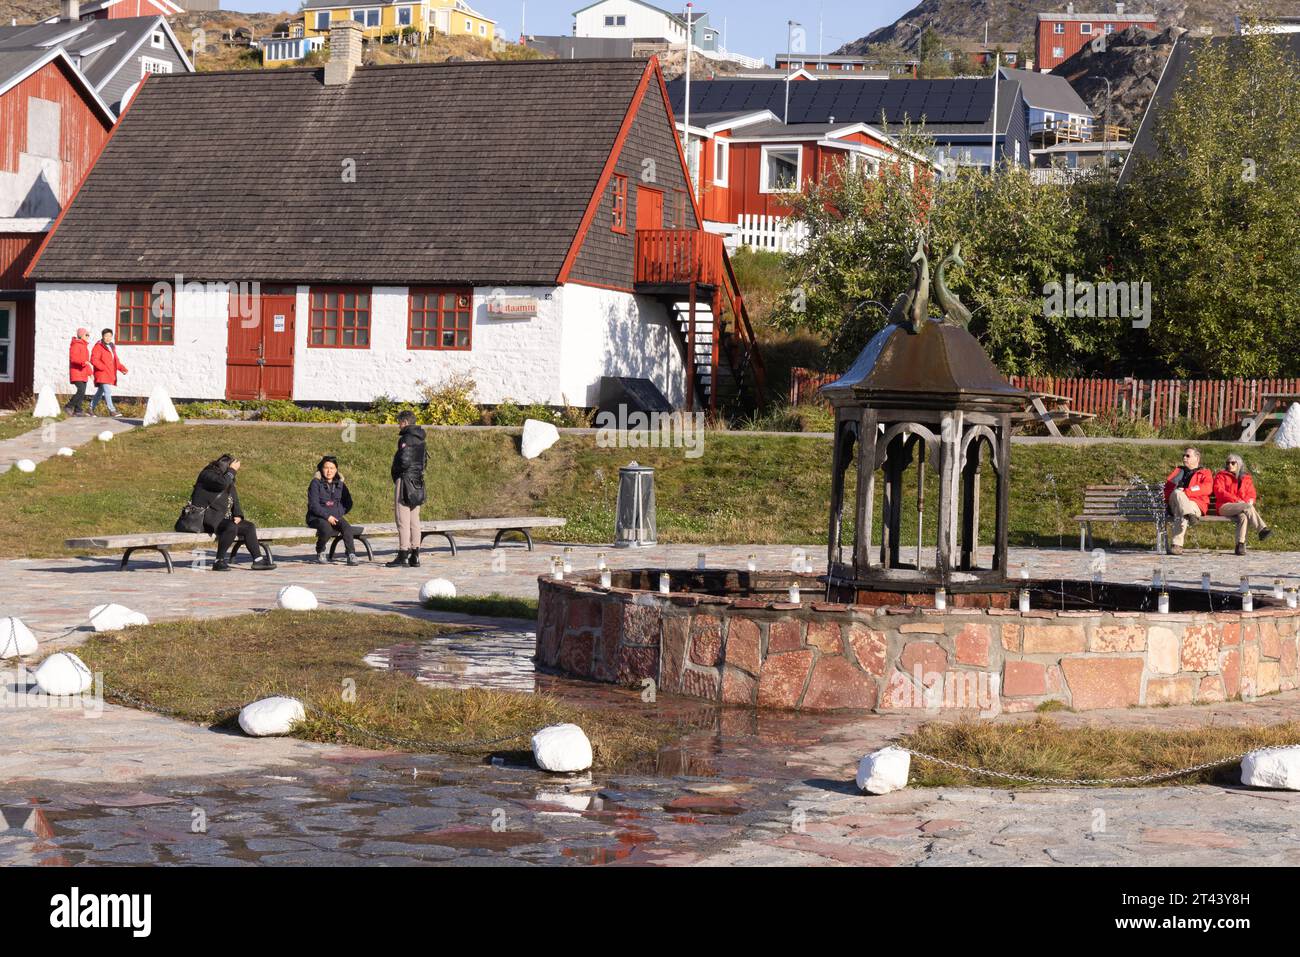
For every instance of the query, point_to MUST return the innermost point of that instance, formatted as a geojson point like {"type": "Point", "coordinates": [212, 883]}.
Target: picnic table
{"type": "Point", "coordinates": [1051, 409]}
{"type": "Point", "coordinates": [1272, 409]}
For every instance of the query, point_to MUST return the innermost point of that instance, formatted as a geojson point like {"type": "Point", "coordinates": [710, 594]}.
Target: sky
{"type": "Point", "coordinates": [754, 27]}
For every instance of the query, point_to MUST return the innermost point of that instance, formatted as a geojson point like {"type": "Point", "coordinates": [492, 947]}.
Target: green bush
{"type": "Point", "coordinates": [811, 417]}
{"type": "Point", "coordinates": [450, 402]}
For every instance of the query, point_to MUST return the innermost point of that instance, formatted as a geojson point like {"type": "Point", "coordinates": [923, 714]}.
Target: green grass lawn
{"type": "Point", "coordinates": [743, 489]}
{"type": "Point", "coordinates": [14, 425]}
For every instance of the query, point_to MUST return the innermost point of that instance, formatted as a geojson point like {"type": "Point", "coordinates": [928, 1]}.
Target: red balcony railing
{"type": "Point", "coordinates": [668, 256]}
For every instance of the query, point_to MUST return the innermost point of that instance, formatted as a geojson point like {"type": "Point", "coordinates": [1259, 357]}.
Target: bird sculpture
{"type": "Point", "coordinates": [954, 310]}
{"type": "Point", "coordinates": [912, 308]}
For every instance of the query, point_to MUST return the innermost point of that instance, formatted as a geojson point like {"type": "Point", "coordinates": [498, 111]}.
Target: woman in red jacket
{"type": "Point", "coordinates": [1187, 496]}
{"type": "Point", "coordinates": [1234, 497]}
{"type": "Point", "coordinates": [107, 365]}
{"type": "Point", "coordinates": [79, 370]}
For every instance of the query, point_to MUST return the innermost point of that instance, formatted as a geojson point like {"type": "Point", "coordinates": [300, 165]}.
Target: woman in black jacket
{"type": "Point", "coordinates": [408, 489]}
{"type": "Point", "coordinates": [328, 500]}
{"type": "Point", "coordinates": [214, 492]}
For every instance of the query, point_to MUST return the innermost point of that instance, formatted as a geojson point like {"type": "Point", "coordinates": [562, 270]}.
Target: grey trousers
{"type": "Point", "coordinates": [408, 521]}
{"type": "Point", "coordinates": [1180, 507]}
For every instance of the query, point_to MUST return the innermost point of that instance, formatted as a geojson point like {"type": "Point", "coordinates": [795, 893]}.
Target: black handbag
{"type": "Point", "coordinates": [191, 519]}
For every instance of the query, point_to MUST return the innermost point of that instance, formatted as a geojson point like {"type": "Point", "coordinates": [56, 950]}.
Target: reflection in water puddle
{"type": "Point", "coordinates": [484, 658]}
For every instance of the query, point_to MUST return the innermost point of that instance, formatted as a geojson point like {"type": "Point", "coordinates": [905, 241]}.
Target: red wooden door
{"type": "Point", "coordinates": [259, 350]}
{"type": "Point", "coordinates": [649, 208]}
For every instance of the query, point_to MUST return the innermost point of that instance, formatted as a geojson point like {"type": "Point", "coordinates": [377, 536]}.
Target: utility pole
{"type": "Point", "coordinates": [686, 115]}
{"type": "Point", "coordinates": [993, 152]}
{"type": "Point", "coordinates": [1105, 129]}
{"type": "Point", "coordinates": [789, 42]}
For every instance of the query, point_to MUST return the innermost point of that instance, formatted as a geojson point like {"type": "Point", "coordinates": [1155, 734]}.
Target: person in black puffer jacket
{"type": "Point", "coordinates": [328, 500]}
{"type": "Point", "coordinates": [215, 493]}
{"type": "Point", "coordinates": [408, 489]}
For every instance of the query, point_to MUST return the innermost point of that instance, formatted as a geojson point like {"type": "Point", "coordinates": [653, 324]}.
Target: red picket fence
{"type": "Point", "coordinates": [1211, 403]}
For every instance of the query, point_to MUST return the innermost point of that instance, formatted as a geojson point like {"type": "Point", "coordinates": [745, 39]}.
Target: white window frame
{"type": "Point", "coordinates": [620, 20]}
{"type": "Point", "coordinates": [469, 26]}
{"type": "Point", "coordinates": [721, 162]}
{"type": "Point", "coordinates": [609, 20]}
{"type": "Point", "coordinates": [322, 20]}
{"type": "Point", "coordinates": [7, 374]}
{"type": "Point", "coordinates": [1085, 28]}
{"type": "Point", "coordinates": [365, 16]}
{"type": "Point", "coordinates": [1109, 28]}
{"type": "Point", "coordinates": [410, 16]}
{"type": "Point", "coordinates": [763, 185]}
{"type": "Point", "coordinates": [1058, 52]}
{"type": "Point", "coordinates": [482, 29]}
{"type": "Point", "coordinates": [157, 40]}
{"type": "Point", "coordinates": [146, 62]}
{"type": "Point", "coordinates": [1058, 27]}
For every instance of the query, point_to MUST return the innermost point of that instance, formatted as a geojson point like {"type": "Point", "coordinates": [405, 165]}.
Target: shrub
{"type": "Point", "coordinates": [450, 402]}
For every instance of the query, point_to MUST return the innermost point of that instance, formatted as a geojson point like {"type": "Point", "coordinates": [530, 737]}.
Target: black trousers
{"type": "Point", "coordinates": [75, 402]}
{"type": "Point", "coordinates": [244, 530]}
{"type": "Point", "coordinates": [325, 531]}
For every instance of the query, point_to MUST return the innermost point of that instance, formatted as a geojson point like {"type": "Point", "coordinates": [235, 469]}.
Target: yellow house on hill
{"type": "Point", "coordinates": [387, 17]}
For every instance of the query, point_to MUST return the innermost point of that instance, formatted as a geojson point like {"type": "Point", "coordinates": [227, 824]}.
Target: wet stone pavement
{"type": "Point", "coordinates": [128, 787]}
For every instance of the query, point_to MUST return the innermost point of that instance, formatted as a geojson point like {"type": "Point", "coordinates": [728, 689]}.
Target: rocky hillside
{"type": "Point", "coordinates": [1013, 20]}
{"type": "Point", "coordinates": [1131, 62]}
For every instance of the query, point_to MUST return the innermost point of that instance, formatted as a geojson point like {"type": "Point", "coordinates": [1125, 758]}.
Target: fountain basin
{"type": "Point", "coordinates": [731, 637]}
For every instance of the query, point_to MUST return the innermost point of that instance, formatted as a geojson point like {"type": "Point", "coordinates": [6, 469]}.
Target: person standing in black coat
{"type": "Point", "coordinates": [408, 489]}
{"type": "Point", "coordinates": [328, 500]}
{"type": "Point", "coordinates": [214, 492]}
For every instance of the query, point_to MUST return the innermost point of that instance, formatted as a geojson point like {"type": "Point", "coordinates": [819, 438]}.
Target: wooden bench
{"type": "Point", "coordinates": [1127, 503]}
{"type": "Point", "coordinates": [163, 542]}
{"type": "Point", "coordinates": [502, 526]}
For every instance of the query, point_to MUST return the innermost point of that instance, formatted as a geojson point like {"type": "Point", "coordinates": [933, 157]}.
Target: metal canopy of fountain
{"type": "Point", "coordinates": [922, 390]}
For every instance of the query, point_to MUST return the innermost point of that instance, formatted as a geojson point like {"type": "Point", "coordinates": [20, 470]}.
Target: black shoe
{"type": "Point", "coordinates": [1265, 532]}
{"type": "Point", "coordinates": [352, 559]}
{"type": "Point", "coordinates": [399, 561]}
{"type": "Point", "coordinates": [221, 565]}
{"type": "Point", "coordinates": [320, 557]}
{"type": "Point", "coordinates": [261, 565]}
{"type": "Point", "coordinates": [414, 559]}
{"type": "Point", "coordinates": [1240, 549]}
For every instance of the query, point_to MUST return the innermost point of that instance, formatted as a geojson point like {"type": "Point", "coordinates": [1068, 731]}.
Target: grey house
{"type": "Point", "coordinates": [114, 55]}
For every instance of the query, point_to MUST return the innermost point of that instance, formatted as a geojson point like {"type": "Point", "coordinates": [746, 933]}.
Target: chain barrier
{"type": "Point", "coordinates": [1079, 782]}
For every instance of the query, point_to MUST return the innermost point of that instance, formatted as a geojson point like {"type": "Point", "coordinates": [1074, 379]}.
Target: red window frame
{"type": "Point", "coordinates": [427, 313]}
{"type": "Point", "coordinates": [141, 319]}
{"type": "Point", "coordinates": [618, 211]}
{"type": "Point", "coordinates": [339, 313]}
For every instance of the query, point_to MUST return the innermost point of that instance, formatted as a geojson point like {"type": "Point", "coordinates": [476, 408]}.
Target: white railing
{"type": "Point", "coordinates": [283, 49]}
{"type": "Point", "coordinates": [772, 233]}
{"type": "Point", "coordinates": [750, 62]}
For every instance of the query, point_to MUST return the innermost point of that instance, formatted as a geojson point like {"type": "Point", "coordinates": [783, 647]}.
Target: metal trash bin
{"type": "Point", "coordinates": [634, 515]}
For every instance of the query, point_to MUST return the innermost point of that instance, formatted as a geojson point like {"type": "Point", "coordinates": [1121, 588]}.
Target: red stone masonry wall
{"type": "Point", "coordinates": [818, 656]}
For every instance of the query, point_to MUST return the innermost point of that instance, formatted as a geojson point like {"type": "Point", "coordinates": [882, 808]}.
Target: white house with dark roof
{"type": "Point", "coordinates": [396, 238]}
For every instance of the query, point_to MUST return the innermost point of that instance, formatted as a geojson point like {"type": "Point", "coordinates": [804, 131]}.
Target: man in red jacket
{"type": "Point", "coordinates": [107, 365]}
{"type": "Point", "coordinates": [79, 370]}
{"type": "Point", "coordinates": [1234, 497]}
{"type": "Point", "coordinates": [1187, 496]}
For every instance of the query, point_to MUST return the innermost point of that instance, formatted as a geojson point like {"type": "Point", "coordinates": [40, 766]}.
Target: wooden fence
{"type": "Point", "coordinates": [1210, 403]}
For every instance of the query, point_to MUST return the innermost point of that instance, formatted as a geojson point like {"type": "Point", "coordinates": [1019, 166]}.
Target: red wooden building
{"type": "Point", "coordinates": [117, 9]}
{"type": "Point", "coordinates": [52, 127]}
{"type": "Point", "coordinates": [1059, 36]}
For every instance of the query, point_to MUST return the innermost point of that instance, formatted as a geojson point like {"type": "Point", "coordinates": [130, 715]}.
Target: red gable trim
{"type": "Point", "coordinates": [593, 204]}
{"type": "Point", "coordinates": [27, 273]}
{"type": "Point", "coordinates": [681, 154]}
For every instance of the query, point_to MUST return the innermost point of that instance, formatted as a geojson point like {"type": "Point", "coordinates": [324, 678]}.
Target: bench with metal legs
{"type": "Point", "coordinates": [447, 535]}
{"type": "Point", "coordinates": [165, 550]}
{"type": "Point", "coordinates": [528, 539]}
{"type": "Point", "coordinates": [359, 534]}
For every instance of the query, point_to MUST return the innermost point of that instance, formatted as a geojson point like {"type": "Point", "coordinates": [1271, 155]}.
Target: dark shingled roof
{"type": "Point", "coordinates": [465, 172]}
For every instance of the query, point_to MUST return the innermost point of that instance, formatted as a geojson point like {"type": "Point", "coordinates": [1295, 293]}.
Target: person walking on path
{"type": "Point", "coordinates": [107, 365]}
{"type": "Point", "coordinates": [215, 493]}
{"type": "Point", "coordinates": [408, 489]}
{"type": "Point", "coordinates": [79, 370]}
{"type": "Point", "coordinates": [1234, 497]}
{"type": "Point", "coordinates": [328, 500]}
{"type": "Point", "coordinates": [1187, 496]}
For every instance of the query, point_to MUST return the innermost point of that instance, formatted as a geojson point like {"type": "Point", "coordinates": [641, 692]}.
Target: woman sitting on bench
{"type": "Point", "coordinates": [328, 500]}
{"type": "Point", "coordinates": [1234, 497]}
{"type": "Point", "coordinates": [214, 492]}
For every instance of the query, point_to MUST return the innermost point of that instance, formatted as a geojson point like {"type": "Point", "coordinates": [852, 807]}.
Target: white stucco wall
{"type": "Point", "coordinates": [640, 22]}
{"type": "Point", "coordinates": [579, 334]}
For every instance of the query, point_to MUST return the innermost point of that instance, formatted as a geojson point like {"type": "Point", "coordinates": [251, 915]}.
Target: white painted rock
{"type": "Point", "coordinates": [16, 639]}
{"type": "Point", "coordinates": [25, 465]}
{"type": "Point", "coordinates": [115, 617]}
{"type": "Point", "coordinates": [538, 437]}
{"type": "Point", "coordinates": [105, 436]}
{"type": "Point", "coordinates": [160, 408]}
{"type": "Point", "coordinates": [271, 716]}
{"type": "Point", "coordinates": [883, 771]}
{"type": "Point", "coordinates": [1272, 768]}
{"type": "Point", "coordinates": [47, 404]}
{"type": "Point", "coordinates": [63, 674]}
{"type": "Point", "coordinates": [562, 748]}
{"type": "Point", "coordinates": [296, 598]}
{"type": "Point", "coordinates": [65, 451]}
{"type": "Point", "coordinates": [437, 588]}
{"type": "Point", "coordinates": [1287, 435]}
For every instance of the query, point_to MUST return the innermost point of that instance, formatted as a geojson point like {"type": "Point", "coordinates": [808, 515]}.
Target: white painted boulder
{"type": "Point", "coordinates": [271, 716]}
{"type": "Point", "coordinates": [63, 673]}
{"type": "Point", "coordinates": [16, 639]}
{"type": "Point", "coordinates": [113, 617]}
{"type": "Point", "coordinates": [25, 465]}
{"type": "Point", "coordinates": [538, 437]}
{"type": "Point", "coordinates": [437, 588]}
{"type": "Point", "coordinates": [296, 598]}
{"type": "Point", "coordinates": [562, 748]}
{"type": "Point", "coordinates": [883, 771]}
{"type": "Point", "coordinates": [47, 404]}
{"type": "Point", "coordinates": [1287, 435]}
{"type": "Point", "coordinates": [1272, 768]}
{"type": "Point", "coordinates": [65, 451]}
{"type": "Point", "coordinates": [105, 436]}
{"type": "Point", "coordinates": [160, 408]}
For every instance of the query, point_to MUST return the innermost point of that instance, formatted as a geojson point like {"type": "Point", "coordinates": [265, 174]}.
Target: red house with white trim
{"type": "Point", "coordinates": [1059, 36]}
